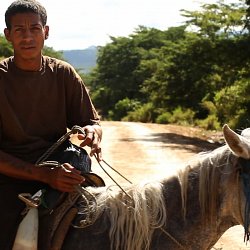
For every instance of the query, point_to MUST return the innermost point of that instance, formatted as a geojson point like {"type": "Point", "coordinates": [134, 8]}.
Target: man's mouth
{"type": "Point", "coordinates": [27, 47]}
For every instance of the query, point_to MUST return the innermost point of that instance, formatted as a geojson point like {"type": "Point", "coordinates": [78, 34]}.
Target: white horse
{"type": "Point", "coordinates": [190, 210]}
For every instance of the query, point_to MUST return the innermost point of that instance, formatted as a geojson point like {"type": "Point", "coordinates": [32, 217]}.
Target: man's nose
{"type": "Point", "coordinates": [27, 34]}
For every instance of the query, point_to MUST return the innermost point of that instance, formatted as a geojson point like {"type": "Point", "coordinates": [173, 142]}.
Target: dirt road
{"type": "Point", "coordinates": [148, 151]}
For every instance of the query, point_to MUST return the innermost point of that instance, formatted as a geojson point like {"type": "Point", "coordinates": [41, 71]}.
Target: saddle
{"type": "Point", "coordinates": [55, 222]}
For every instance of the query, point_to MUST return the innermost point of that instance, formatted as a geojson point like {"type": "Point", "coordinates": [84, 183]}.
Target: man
{"type": "Point", "coordinates": [40, 97]}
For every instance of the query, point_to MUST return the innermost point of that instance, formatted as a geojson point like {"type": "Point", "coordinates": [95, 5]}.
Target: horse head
{"type": "Point", "coordinates": [240, 146]}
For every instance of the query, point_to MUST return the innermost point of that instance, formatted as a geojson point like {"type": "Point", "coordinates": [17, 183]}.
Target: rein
{"type": "Point", "coordinates": [113, 178]}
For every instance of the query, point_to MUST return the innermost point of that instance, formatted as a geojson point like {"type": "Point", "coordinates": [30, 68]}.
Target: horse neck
{"type": "Point", "coordinates": [194, 232]}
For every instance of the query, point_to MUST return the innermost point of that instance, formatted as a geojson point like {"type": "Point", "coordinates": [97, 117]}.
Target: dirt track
{"type": "Point", "coordinates": [144, 151]}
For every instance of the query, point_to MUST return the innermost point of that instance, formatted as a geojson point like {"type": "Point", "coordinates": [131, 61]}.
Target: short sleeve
{"type": "Point", "coordinates": [80, 109]}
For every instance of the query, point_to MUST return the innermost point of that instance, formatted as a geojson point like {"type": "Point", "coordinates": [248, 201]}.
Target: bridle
{"type": "Point", "coordinates": [245, 175]}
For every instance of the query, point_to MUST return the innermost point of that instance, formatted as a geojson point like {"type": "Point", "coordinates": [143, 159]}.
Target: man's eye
{"type": "Point", "coordinates": [18, 30]}
{"type": "Point", "coordinates": [36, 28]}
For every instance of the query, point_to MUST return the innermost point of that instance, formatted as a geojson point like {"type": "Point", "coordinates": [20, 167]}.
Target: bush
{"type": "Point", "coordinates": [182, 116]}
{"type": "Point", "coordinates": [210, 123]}
{"type": "Point", "coordinates": [145, 113]}
{"type": "Point", "coordinates": [163, 118]}
{"type": "Point", "coordinates": [6, 49]}
{"type": "Point", "coordinates": [241, 120]}
{"type": "Point", "coordinates": [122, 108]}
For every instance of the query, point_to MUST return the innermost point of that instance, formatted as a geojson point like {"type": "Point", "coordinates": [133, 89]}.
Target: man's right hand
{"type": "Point", "coordinates": [64, 178]}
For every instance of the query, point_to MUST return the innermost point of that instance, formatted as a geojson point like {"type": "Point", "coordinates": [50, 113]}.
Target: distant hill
{"type": "Point", "coordinates": [83, 60]}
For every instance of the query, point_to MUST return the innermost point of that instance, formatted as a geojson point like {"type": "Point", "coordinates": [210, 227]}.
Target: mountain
{"type": "Point", "coordinates": [83, 60]}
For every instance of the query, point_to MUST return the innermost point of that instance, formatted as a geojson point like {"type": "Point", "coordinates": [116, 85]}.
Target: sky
{"type": "Point", "coordinates": [79, 24]}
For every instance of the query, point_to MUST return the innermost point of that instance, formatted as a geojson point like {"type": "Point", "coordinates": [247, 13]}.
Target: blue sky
{"type": "Point", "coordinates": [78, 24]}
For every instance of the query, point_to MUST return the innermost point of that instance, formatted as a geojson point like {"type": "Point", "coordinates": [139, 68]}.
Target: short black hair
{"type": "Point", "coordinates": [25, 6]}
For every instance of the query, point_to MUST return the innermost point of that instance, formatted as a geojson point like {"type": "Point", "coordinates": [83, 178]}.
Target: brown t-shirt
{"type": "Point", "coordinates": [36, 108]}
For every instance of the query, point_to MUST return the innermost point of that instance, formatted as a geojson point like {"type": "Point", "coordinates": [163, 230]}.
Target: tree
{"type": "Point", "coordinates": [218, 19]}
{"type": "Point", "coordinates": [125, 63]}
{"type": "Point", "coordinates": [114, 73]}
{"type": "Point", "coordinates": [5, 47]}
{"type": "Point", "coordinates": [247, 25]}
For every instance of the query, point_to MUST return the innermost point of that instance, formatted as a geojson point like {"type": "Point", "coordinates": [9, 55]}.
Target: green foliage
{"type": "Point", "coordinates": [209, 123]}
{"type": "Point", "coordinates": [210, 107]}
{"type": "Point", "coordinates": [164, 118]}
{"type": "Point", "coordinates": [233, 103]}
{"type": "Point", "coordinates": [247, 25]}
{"type": "Point", "coordinates": [126, 63]}
{"type": "Point", "coordinates": [178, 116]}
{"type": "Point", "coordinates": [144, 113]}
{"type": "Point", "coordinates": [123, 107]}
{"type": "Point", "coordinates": [5, 47]}
{"type": "Point", "coordinates": [182, 116]}
{"type": "Point", "coordinates": [218, 19]}
{"type": "Point", "coordinates": [116, 62]}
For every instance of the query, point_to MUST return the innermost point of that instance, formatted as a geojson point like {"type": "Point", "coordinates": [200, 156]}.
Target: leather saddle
{"type": "Point", "coordinates": [54, 222]}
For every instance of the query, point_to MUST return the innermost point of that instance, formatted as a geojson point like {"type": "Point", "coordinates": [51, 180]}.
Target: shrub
{"type": "Point", "coordinates": [144, 113]}
{"type": "Point", "coordinates": [182, 116]}
{"type": "Point", "coordinates": [210, 123]}
{"type": "Point", "coordinates": [163, 118]}
{"type": "Point", "coordinates": [122, 108]}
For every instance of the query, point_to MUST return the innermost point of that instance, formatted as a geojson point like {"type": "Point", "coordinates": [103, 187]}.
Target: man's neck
{"type": "Point", "coordinates": [33, 64]}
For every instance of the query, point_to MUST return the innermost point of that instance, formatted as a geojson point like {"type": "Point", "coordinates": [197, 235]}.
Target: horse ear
{"type": "Point", "coordinates": [237, 143]}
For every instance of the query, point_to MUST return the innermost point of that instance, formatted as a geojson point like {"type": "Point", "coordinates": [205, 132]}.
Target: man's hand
{"type": "Point", "coordinates": [92, 138]}
{"type": "Point", "coordinates": [64, 178]}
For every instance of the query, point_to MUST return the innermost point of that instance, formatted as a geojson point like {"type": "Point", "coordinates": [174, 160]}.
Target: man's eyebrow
{"type": "Point", "coordinates": [36, 24]}
{"type": "Point", "coordinates": [17, 25]}
{"type": "Point", "coordinates": [22, 25]}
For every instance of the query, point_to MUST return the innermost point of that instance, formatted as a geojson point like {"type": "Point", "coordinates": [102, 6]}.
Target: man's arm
{"type": "Point", "coordinates": [63, 179]}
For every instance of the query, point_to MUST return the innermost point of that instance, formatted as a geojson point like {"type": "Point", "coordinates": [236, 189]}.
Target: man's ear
{"type": "Point", "coordinates": [46, 29]}
{"type": "Point", "coordinates": [7, 34]}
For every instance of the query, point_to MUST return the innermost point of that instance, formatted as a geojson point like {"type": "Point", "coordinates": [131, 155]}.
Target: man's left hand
{"type": "Point", "coordinates": [92, 138]}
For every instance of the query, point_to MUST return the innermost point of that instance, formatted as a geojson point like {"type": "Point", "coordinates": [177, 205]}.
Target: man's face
{"type": "Point", "coordinates": [27, 35]}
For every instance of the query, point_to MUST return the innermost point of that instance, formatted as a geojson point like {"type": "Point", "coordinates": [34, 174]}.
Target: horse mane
{"type": "Point", "coordinates": [133, 219]}
{"type": "Point", "coordinates": [209, 168]}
